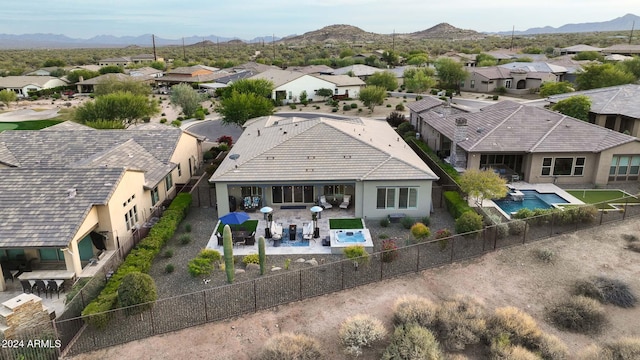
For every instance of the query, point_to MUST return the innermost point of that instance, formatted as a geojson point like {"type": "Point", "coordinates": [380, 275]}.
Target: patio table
{"type": "Point", "coordinates": [47, 275]}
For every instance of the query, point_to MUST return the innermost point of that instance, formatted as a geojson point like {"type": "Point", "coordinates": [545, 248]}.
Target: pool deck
{"type": "Point", "coordinates": [541, 188]}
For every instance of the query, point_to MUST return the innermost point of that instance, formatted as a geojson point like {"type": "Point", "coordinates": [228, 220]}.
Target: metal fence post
{"type": "Point", "coordinates": [624, 209]}
{"type": "Point", "coordinates": [206, 311]}
{"type": "Point", "coordinates": [601, 215]}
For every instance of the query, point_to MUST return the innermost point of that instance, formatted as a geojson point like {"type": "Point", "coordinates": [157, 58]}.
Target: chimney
{"type": "Point", "coordinates": [459, 135]}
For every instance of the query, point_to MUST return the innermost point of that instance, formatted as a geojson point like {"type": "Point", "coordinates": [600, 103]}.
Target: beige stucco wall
{"type": "Point", "coordinates": [632, 148]}
{"type": "Point", "coordinates": [534, 170]}
{"type": "Point", "coordinates": [188, 147]}
{"type": "Point", "coordinates": [369, 199]}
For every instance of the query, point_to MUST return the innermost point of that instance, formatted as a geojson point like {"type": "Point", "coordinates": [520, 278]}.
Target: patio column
{"type": "Point", "coordinates": [3, 284]}
{"type": "Point", "coordinates": [72, 258]}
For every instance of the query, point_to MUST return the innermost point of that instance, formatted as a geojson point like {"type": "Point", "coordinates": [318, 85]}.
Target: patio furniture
{"type": "Point", "coordinates": [26, 286]}
{"type": "Point", "coordinates": [40, 286]}
{"type": "Point", "coordinates": [251, 239]}
{"type": "Point", "coordinates": [307, 231]}
{"type": "Point", "coordinates": [220, 242]}
{"type": "Point", "coordinates": [293, 228]}
{"type": "Point", "coordinates": [276, 231]}
{"type": "Point", "coordinates": [324, 203]}
{"type": "Point", "coordinates": [53, 286]}
{"type": "Point", "coordinates": [239, 237]}
{"type": "Point", "coordinates": [326, 241]}
{"type": "Point", "coordinates": [345, 202]}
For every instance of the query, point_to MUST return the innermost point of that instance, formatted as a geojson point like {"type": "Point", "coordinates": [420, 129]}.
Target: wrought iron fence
{"type": "Point", "coordinates": [233, 300]}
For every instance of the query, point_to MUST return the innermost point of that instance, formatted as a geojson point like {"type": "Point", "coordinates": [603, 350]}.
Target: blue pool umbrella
{"type": "Point", "coordinates": [234, 218]}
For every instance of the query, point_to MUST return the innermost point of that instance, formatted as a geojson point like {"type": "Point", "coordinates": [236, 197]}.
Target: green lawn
{"type": "Point", "coordinates": [603, 196]}
{"type": "Point", "coordinates": [249, 225]}
{"type": "Point", "coordinates": [345, 223]}
{"type": "Point", "coordinates": [28, 125]}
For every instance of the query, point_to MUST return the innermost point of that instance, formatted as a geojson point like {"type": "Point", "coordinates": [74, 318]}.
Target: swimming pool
{"type": "Point", "coordinates": [532, 200]}
{"type": "Point", "coordinates": [350, 236]}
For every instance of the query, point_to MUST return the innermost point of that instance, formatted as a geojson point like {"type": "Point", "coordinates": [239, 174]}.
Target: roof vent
{"type": "Point", "coordinates": [480, 130]}
{"type": "Point", "coordinates": [72, 193]}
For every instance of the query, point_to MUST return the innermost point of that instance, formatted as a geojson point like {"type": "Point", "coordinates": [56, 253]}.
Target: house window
{"type": "Point", "coordinates": [563, 166]}
{"type": "Point", "coordinates": [154, 196]}
{"type": "Point", "coordinates": [624, 168]}
{"type": "Point", "coordinates": [472, 84]}
{"type": "Point", "coordinates": [407, 198]}
{"type": "Point", "coordinates": [179, 170]}
{"type": "Point", "coordinates": [131, 217]}
{"type": "Point", "coordinates": [251, 191]}
{"type": "Point", "coordinates": [462, 83]}
{"type": "Point", "coordinates": [334, 189]}
{"type": "Point", "coordinates": [168, 181]}
{"type": "Point", "coordinates": [507, 84]}
{"type": "Point", "coordinates": [292, 194]}
{"type": "Point", "coordinates": [290, 95]}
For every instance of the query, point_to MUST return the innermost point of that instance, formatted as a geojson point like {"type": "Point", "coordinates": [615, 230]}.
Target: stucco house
{"type": "Point", "coordinates": [294, 161]}
{"type": "Point", "coordinates": [21, 85]}
{"type": "Point", "coordinates": [289, 85]}
{"type": "Point", "coordinates": [614, 107]}
{"type": "Point", "coordinates": [516, 78]}
{"type": "Point", "coordinates": [128, 60]}
{"type": "Point", "coordinates": [62, 185]}
{"type": "Point", "coordinates": [88, 86]}
{"type": "Point", "coordinates": [190, 75]}
{"type": "Point", "coordinates": [534, 144]}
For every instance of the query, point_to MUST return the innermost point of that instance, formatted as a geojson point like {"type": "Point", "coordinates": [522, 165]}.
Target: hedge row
{"type": "Point", "coordinates": [139, 259]}
{"type": "Point", "coordinates": [456, 204]}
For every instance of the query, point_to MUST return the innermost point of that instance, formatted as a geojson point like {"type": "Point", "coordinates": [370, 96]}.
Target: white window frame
{"type": "Point", "coordinates": [393, 194]}
{"type": "Point", "coordinates": [551, 168]}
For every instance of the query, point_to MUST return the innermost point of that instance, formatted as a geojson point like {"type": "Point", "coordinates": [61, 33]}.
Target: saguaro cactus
{"type": "Point", "coordinates": [261, 255]}
{"type": "Point", "coordinates": [227, 244]}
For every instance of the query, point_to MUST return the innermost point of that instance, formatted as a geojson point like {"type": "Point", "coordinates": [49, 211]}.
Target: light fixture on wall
{"type": "Point", "coordinates": [66, 249]}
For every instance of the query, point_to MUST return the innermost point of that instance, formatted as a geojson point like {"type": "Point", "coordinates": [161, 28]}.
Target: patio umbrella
{"type": "Point", "coordinates": [316, 209]}
{"type": "Point", "coordinates": [266, 210]}
{"type": "Point", "coordinates": [234, 218]}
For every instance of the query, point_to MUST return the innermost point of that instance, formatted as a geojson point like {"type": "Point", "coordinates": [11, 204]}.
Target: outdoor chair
{"type": "Point", "coordinates": [7, 273]}
{"type": "Point", "coordinates": [26, 286]}
{"type": "Point", "coordinates": [345, 202]}
{"type": "Point", "coordinates": [307, 231]}
{"type": "Point", "coordinates": [276, 231]}
{"type": "Point", "coordinates": [324, 203]}
{"type": "Point", "coordinates": [251, 239]}
{"type": "Point", "coordinates": [52, 286]}
{"type": "Point", "coordinates": [40, 286]}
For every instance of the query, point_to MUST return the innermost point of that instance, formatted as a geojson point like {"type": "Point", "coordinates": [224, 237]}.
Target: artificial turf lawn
{"type": "Point", "coordinates": [249, 225]}
{"type": "Point", "coordinates": [28, 125]}
{"type": "Point", "coordinates": [345, 223]}
{"type": "Point", "coordinates": [603, 196]}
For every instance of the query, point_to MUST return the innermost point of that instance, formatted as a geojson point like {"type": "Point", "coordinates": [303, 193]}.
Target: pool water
{"type": "Point", "coordinates": [350, 236]}
{"type": "Point", "coordinates": [532, 200]}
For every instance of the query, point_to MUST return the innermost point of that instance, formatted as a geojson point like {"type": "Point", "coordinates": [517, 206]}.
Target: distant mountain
{"type": "Point", "coordinates": [445, 31]}
{"type": "Point", "coordinates": [621, 23]}
{"type": "Point", "coordinates": [334, 33]}
{"type": "Point", "coordinates": [31, 41]}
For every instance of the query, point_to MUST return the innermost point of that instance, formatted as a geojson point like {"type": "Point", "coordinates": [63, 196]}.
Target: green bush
{"type": "Point", "coordinates": [168, 253]}
{"type": "Point", "coordinates": [384, 222]}
{"type": "Point", "coordinates": [288, 346]}
{"type": "Point", "coordinates": [456, 205]}
{"type": "Point", "coordinates": [360, 331]}
{"type": "Point", "coordinates": [405, 127]}
{"type": "Point", "coordinates": [185, 239]}
{"type": "Point", "coordinates": [176, 123]}
{"type": "Point", "coordinates": [357, 253]}
{"type": "Point", "coordinates": [169, 268]}
{"type": "Point", "coordinates": [251, 259]}
{"type": "Point", "coordinates": [413, 342]}
{"type": "Point", "coordinates": [468, 222]}
{"type": "Point", "coordinates": [199, 266]}
{"type": "Point", "coordinates": [292, 106]}
{"type": "Point", "coordinates": [578, 314]}
{"type": "Point", "coordinates": [163, 120]}
{"type": "Point", "coordinates": [407, 222]}
{"type": "Point", "coordinates": [400, 107]}
{"type": "Point", "coordinates": [354, 105]}
{"type": "Point", "coordinates": [212, 255]}
{"type": "Point", "coordinates": [420, 231]}
{"type": "Point", "coordinates": [426, 220]}
{"type": "Point", "coordinates": [137, 288]}
{"type": "Point", "coordinates": [187, 228]}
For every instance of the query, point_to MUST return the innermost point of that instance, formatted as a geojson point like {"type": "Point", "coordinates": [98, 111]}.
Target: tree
{"type": "Point", "coordinates": [187, 98]}
{"type": "Point", "coordinates": [450, 73]}
{"type": "Point", "coordinates": [74, 76]}
{"type": "Point", "coordinates": [553, 88]}
{"type": "Point", "coordinates": [384, 79]}
{"type": "Point", "coordinates": [238, 108]}
{"type": "Point", "coordinates": [120, 109]}
{"type": "Point", "coordinates": [111, 69]}
{"type": "Point", "coordinates": [576, 106]}
{"type": "Point", "coordinates": [631, 66]}
{"type": "Point", "coordinates": [484, 184]}
{"type": "Point", "coordinates": [54, 63]}
{"type": "Point", "coordinates": [598, 76]}
{"type": "Point", "coordinates": [112, 85]}
{"type": "Point", "coordinates": [418, 60]}
{"type": "Point", "coordinates": [372, 96]}
{"type": "Point", "coordinates": [325, 93]}
{"type": "Point", "coordinates": [158, 65]}
{"type": "Point", "coordinates": [260, 87]}
{"type": "Point", "coordinates": [390, 57]}
{"type": "Point", "coordinates": [588, 55]}
{"type": "Point", "coordinates": [137, 288]}
{"type": "Point", "coordinates": [484, 59]}
{"type": "Point", "coordinates": [419, 80]}
{"type": "Point", "coordinates": [7, 96]}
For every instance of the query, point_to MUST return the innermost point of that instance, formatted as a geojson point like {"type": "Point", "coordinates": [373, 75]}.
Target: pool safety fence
{"type": "Point", "coordinates": [222, 303]}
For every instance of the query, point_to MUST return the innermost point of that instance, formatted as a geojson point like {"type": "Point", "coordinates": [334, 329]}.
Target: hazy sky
{"type": "Point", "coordinates": [247, 19]}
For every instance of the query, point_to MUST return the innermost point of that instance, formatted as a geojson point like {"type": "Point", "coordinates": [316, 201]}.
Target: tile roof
{"type": "Point", "coordinates": [535, 67]}
{"type": "Point", "coordinates": [618, 100]}
{"type": "Point", "coordinates": [37, 210]}
{"type": "Point", "coordinates": [425, 104]}
{"type": "Point", "coordinates": [511, 127]}
{"type": "Point", "coordinates": [22, 81]}
{"type": "Point", "coordinates": [106, 77]}
{"type": "Point", "coordinates": [341, 80]}
{"type": "Point", "coordinates": [278, 77]}
{"type": "Point", "coordinates": [357, 70]}
{"type": "Point", "coordinates": [580, 48]}
{"type": "Point", "coordinates": [290, 149]}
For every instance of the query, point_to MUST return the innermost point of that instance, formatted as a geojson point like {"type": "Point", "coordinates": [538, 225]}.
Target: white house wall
{"type": "Point", "coordinates": [369, 206]}
{"type": "Point", "coordinates": [304, 83]}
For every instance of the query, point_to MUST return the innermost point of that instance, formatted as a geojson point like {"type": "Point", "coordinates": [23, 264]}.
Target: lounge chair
{"type": "Point", "coordinates": [276, 231]}
{"type": "Point", "coordinates": [345, 202]}
{"type": "Point", "coordinates": [307, 231]}
{"type": "Point", "coordinates": [255, 203]}
{"type": "Point", "coordinates": [324, 203]}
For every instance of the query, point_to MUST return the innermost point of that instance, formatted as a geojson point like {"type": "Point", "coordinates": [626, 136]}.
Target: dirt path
{"type": "Point", "coordinates": [511, 277]}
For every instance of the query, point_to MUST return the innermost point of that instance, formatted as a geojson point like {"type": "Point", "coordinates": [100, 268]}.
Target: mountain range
{"type": "Point", "coordinates": [328, 33]}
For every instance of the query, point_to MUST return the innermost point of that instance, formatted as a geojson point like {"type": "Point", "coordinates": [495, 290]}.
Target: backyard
{"type": "Point", "coordinates": [604, 199]}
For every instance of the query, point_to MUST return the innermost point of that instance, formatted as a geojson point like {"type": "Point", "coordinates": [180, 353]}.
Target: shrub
{"type": "Point", "coordinates": [413, 309]}
{"type": "Point", "coordinates": [356, 253]}
{"type": "Point", "coordinates": [169, 268]}
{"type": "Point", "coordinates": [400, 107]}
{"type": "Point", "coordinates": [210, 254]}
{"type": "Point", "coordinates": [176, 123]}
{"type": "Point", "coordinates": [225, 139]}
{"type": "Point", "coordinates": [335, 109]}
{"type": "Point", "coordinates": [137, 288]}
{"type": "Point", "coordinates": [502, 230]}
{"type": "Point", "coordinates": [426, 220]}
{"type": "Point", "coordinates": [405, 127]}
{"type": "Point", "coordinates": [185, 239]}
{"type": "Point", "coordinates": [456, 205]}
{"type": "Point", "coordinates": [411, 342]}
{"type": "Point", "coordinates": [389, 250]}
{"type": "Point", "coordinates": [443, 233]}
{"type": "Point", "coordinates": [388, 105]}
{"type": "Point", "coordinates": [251, 259]}
{"type": "Point", "coordinates": [545, 255]}
{"type": "Point", "coordinates": [517, 227]}
{"type": "Point", "coordinates": [420, 231]}
{"type": "Point", "coordinates": [459, 322]}
{"type": "Point", "coordinates": [346, 107]}
{"type": "Point", "coordinates": [360, 331]}
{"type": "Point", "coordinates": [288, 346]}
{"type": "Point", "coordinates": [628, 348]}
{"type": "Point", "coordinates": [394, 119]}
{"type": "Point", "coordinates": [354, 105]}
{"type": "Point", "coordinates": [407, 222]}
{"type": "Point", "coordinates": [578, 314]}
{"type": "Point", "coordinates": [606, 291]}
{"type": "Point", "coordinates": [495, 97]}
{"type": "Point", "coordinates": [384, 222]}
{"type": "Point", "coordinates": [292, 106]}
{"type": "Point", "coordinates": [163, 120]}
{"type": "Point", "coordinates": [383, 236]}
{"type": "Point", "coordinates": [168, 253]}
{"type": "Point", "coordinates": [187, 228]}
{"type": "Point", "coordinates": [207, 155]}
{"type": "Point", "coordinates": [200, 267]}
{"type": "Point", "coordinates": [630, 237]}
{"type": "Point", "coordinates": [514, 326]}
{"type": "Point", "coordinates": [468, 222]}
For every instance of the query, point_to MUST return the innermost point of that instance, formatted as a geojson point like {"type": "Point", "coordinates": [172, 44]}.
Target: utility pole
{"type": "Point", "coordinates": [184, 52]}
{"type": "Point", "coordinates": [153, 40]}
{"type": "Point", "coordinates": [273, 41]}
{"type": "Point", "coordinates": [633, 25]}
{"type": "Point", "coordinates": [513, 30]}
{"type": "Point", "coordinates": [393, 41]}
{"type": "Point", "coordinates": [204, 49]}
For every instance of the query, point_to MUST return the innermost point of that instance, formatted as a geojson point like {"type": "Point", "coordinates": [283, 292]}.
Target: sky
{"type": "Point", "coordinates": [248, 19]}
